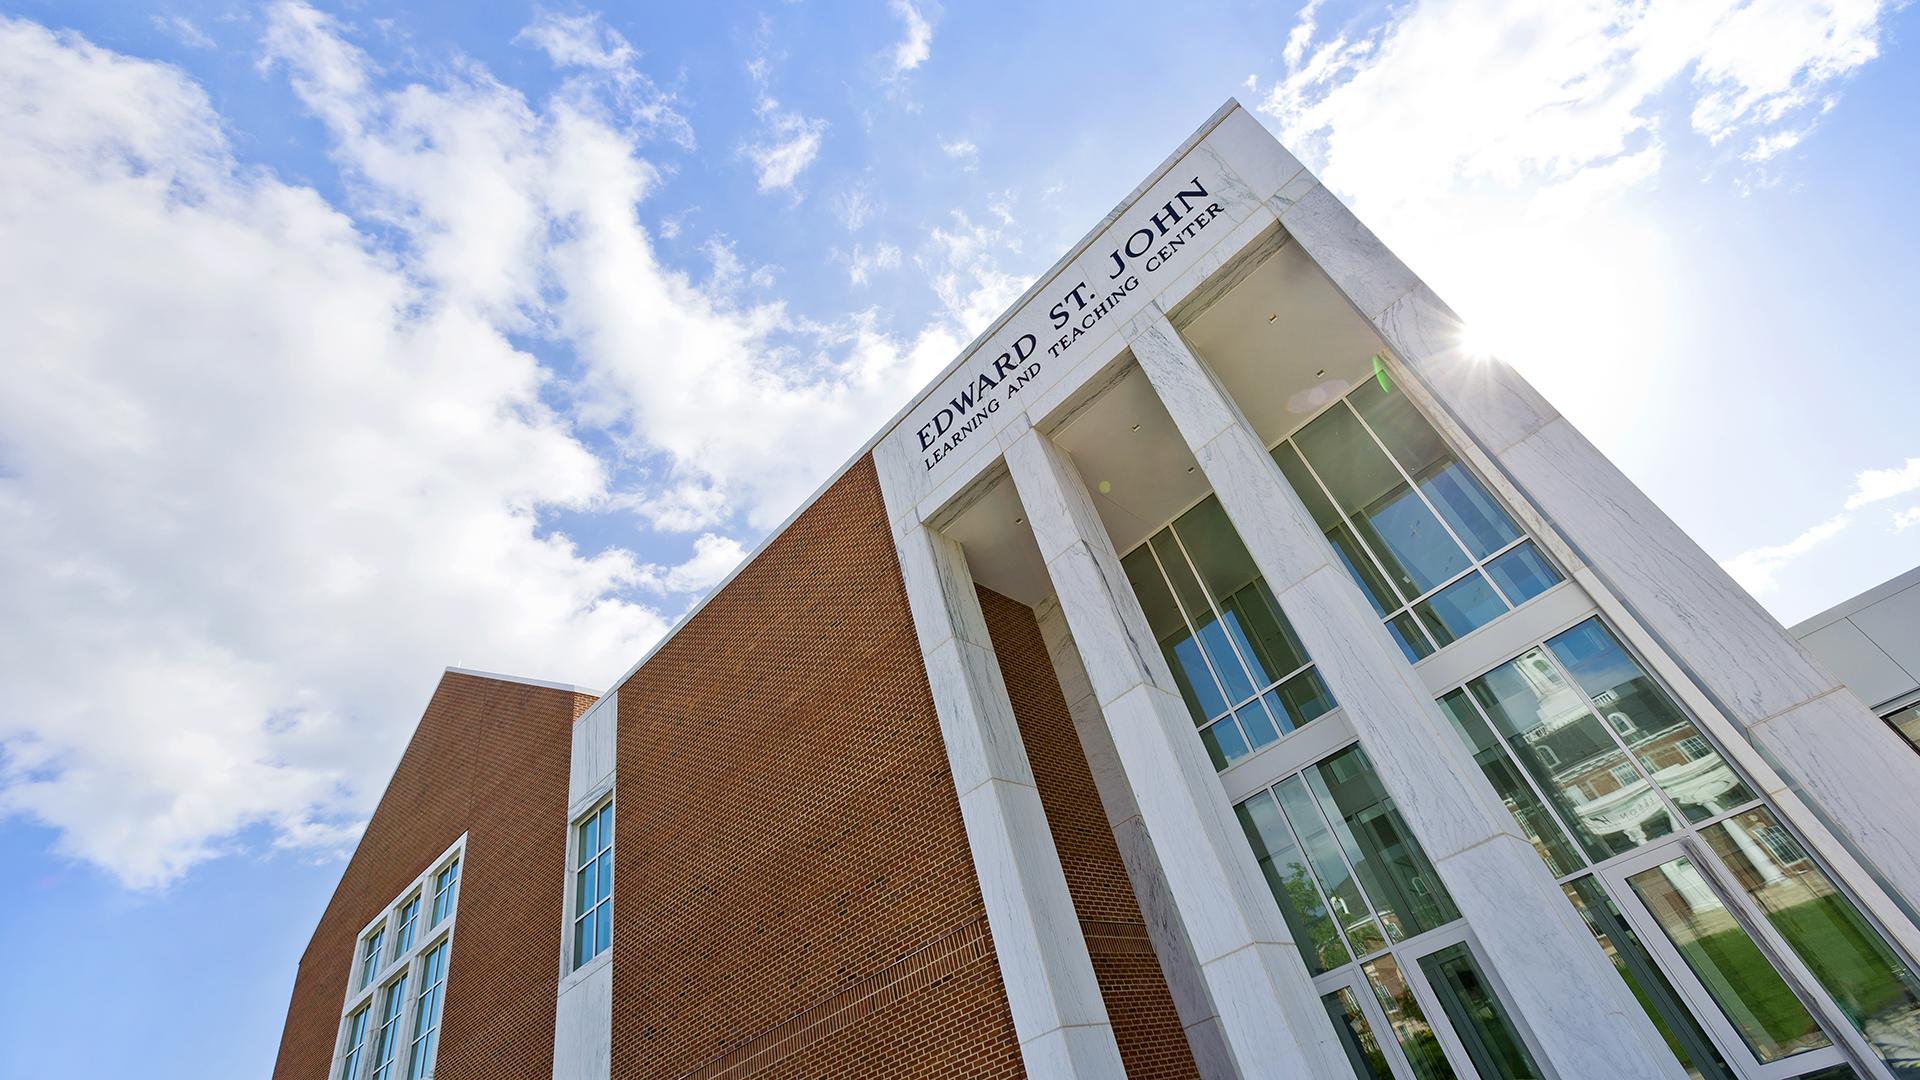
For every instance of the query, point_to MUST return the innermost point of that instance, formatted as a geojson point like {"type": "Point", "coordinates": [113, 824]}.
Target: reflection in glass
{"type": "Point", "coordinates": [1480, 523]}
{"type": "Point", "coordinates": [1287, 876]}
{"type": "Point", "coordinates": [387, 1041]}
{"type": "Point", "coordinates": [1906, 723]}
{"type": "Point", "coordinates": [1566, 749]}
{"type": "Point", "coordinates": [1393, 520]}
{"type": "Point", "coordinates": [1323, 854]}
{"type": "Point", "coordinates": [1394, 871]}
{"type": "Point", "coordinates": [1523, 573]}
{"type": "Point", "coordinates": [1477, 1015]}
{"type": "Point", "coordinates": [356, 1045]}
{"type": "Point", "coordinates": [1636, 966]}
{"type": "Point", "coordinates": [1460, 609]}
{"type": "Point", "coordinates": [1652, 724]}
{"type": "Point", "coordinates": [1223, 634]}
{"type": "Point", "coordinates": [1410, 1027]}
{"type": "Point", "coordinates": [1770, 1019]}
{"type": "Point", "coordinates": [1356, 1036]}
{"type": "Point", "coordinates": [1527, 810]}
{"type": "Point", "coordinates": [1848, 957]}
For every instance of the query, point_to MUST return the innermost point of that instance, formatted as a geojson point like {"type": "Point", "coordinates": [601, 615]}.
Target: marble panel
{"type": "Point", "coordinates": [1359, 264]}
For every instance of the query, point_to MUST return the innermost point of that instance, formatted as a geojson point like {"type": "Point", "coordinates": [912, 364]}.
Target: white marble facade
{"type": "Point", "coordinates": [1243, 993]}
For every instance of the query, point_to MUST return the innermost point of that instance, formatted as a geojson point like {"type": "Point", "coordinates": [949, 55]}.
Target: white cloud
{"type": "Point", "coordinates": [1515, 188]}
{"type": "Point", "coordinates": [963, 151]}
{"type": "Point", "coordinates": [862, 265]}
{"type": "Point", "coordinates": [262, 474]}
{"type": "Point", "coordinates": [854, 207]}
{"type": "Point", "coordinates": [182, 29]}
{"type": "Point", "coordinates": [787, 141]}
{"type": "Point", "coordinates": [912, 50]}
{"type": "Point", "coordinates": [713, 558]}
{"type": "Point", "coordinates": [261, 481]}
{"type": "Point", "coordinates": [1758, 570]}
{"type": "Point", "coordinates": [1873, 485]}
{"type": "Point", "coordinates": [787, 144]}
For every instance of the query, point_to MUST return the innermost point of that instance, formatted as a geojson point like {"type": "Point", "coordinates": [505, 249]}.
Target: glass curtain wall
{"type": "Point", "coordinates": [1354, 885]}
{"type": "Point", "coordinates": [1594, 760]}
{"type": "Point", "coordinates": [1241, 669]}
{"type": "Point", "coordinates": [1429, 546]}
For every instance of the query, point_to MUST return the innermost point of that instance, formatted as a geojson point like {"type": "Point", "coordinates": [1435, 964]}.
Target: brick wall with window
{"type": "Point", "coordinates": [489, 759]}
{"type": "Point", "coordinates": [795, 895]}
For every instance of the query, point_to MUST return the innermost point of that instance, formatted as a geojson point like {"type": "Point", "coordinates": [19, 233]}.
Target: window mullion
{"type": "Point", "coordinates": [1220, 619]}
{"type": "Point", "coordinates": [1366, 548]}
{"type": "Point", "coordinates": [1193, 632]}
{"type": "Point", "coordinates": [1340, 849]}
{"type": "Point", "coordinates": [1526, 777]}
{"type": "Point", "coordinates": [1414, 486]}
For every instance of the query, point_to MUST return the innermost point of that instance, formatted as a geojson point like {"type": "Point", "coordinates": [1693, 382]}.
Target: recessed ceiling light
{"type": "Point", "coordinates": [1189, 468]}
{"type": "Point", "coordinates": [1273, 316]}
{"type": "Point", "coordinates": [1018, 520]}
{"type": "Point", "coordinates": [1321, 374]}
{"type": "Point", "coordinates": [1135, 427]}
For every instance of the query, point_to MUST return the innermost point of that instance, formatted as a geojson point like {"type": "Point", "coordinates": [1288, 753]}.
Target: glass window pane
{"type": "Point", "coordinates": [1193, 601]}
{"type": "Point", "coordinates": [589, 838]}
{"type": "Point", "coordinates": [1286, 873]}
{"type": "Point", "coordinates": [1871, 984]}
{"type": "Point", "coordinates": [1163, 615]}
{"type": "Point", "coordinates": [1223, 742]}
{"type": "Point", "coordinates": [1409, 1023]}
{"type": "Point", "coordinates": [1477, 1015]}
{"type": "Point", "coordinates": [606, 875]}
{"type": "Point", "coordinates": [1255, 724]}
{"type": "Point", "coordinates": [1226, 661]}
{"type": "Point", "coordinates": [1460, 609]}
{"type": "Point", "coordinates": [1475, 517]}
{"type": "Point", "coordinates": [1394, 871]}
{"type": "Point", "coordinates": [1668, 1011]}
{"type": "Point", "coordinates": [1651, 722]}
{"type": "Point", "coordinates": [1407, 634]}
{"type": "Point", "coordinates": [1514, 792]}
{"type": "Point", "coordinates": [1567, 750]}
{"type": "Point", "coordinates": [1194, 677]}
{"type": "Point", "coordinates": [1222, 560]}
{"type": "Point", "coordinates": [1358, 563]}
{"type": "Point", "coordinates": [1350, 910]}
{"type": "Point", "coordinates": [585, 881]}
{"type": "Point", "coordinates": [1906, 723]}
{"type": "Point", "coordinates": [1300, 699]}
{"type": "Point", "coordinates": [1743, 983]}
{"type": "Point", "coordinates": [1523, 573]}
{"type": "Point", "coordinates": [604, 931]}
{"type": "Point", "coordinates": [1276, 649]}
{"type": "Point", "coordinates": [1356, 1036]}
{"type": "Point", "coordinates": [1417, 552]}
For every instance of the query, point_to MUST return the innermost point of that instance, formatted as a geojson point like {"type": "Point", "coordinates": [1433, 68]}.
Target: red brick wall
{"type": "Point", "coordinates": [489, 758]}
{"type": "Point", "coordinates": [795, 896]}
{"type": "Point", "coordinates": [1152, 1043]}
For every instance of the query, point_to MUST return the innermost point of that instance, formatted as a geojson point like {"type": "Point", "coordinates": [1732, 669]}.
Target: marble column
{"type": "Point", "coordinates": [1578, 1010]}
{"type": "Point", "coordinates": [1826, 745]}
{"type": "Point", "coordinates": [1058, 1014]}
{"type": "Point", "coordinates": [1199, 1017]}
{"type": "Point", "coordinates": [1270, 1015]}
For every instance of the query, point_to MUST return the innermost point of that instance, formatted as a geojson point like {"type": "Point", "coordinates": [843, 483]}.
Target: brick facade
{"type": "Point", "coordinates": [795, 894]}
{"type": "Point", "coordinates": [489, 759]}
{"type": "Point", "coordinates": [1152, 1043]}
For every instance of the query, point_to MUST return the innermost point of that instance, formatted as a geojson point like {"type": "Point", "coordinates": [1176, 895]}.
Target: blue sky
{"type": "Point", "coordinates": [344, 342]}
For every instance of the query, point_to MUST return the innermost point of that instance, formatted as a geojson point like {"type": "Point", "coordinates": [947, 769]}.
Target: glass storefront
{"type": "Point", "coordinates": [1745, 954]}
{"type": "Point", "coordinates": [1434, 553]}
{"type": "Point", "coordinates": [1243, 673]}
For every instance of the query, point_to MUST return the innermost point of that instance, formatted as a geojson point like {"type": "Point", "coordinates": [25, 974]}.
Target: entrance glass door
{"type": "Point", "coordinates": [1751, 998]}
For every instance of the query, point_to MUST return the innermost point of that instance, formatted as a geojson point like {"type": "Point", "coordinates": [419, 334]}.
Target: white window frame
{"type": "Point", "coordinates": [407, 963]}
{"type": "Point", "coordinates": [600, 800]}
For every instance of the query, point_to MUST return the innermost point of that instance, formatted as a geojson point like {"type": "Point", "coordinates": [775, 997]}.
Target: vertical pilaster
{"type": "Point", "coordinates": [1199, 1017]}
{"type": "Point", "coordinates": [1058, 1014]}
{"type": "Point", "coordinates": [1580, 1012]}
{"type": "Point", "coordinates": [1269, 1013]}
{"type": "Point", "coordinates": [1823, 741]}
